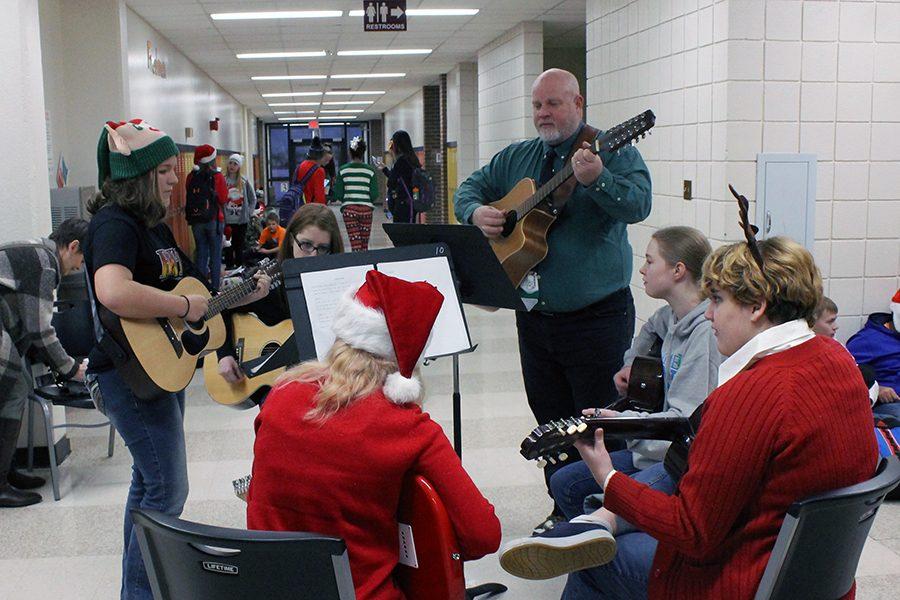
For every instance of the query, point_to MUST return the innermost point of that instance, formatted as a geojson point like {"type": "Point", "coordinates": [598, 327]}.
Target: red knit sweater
{"type": "Point", "coordinates": [794, 424]}
{"type": "Point", "coordinates": [343, 478]}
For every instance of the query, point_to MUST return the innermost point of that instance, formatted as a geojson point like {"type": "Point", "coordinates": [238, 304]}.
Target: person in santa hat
{"type": "Point", "coordinates": [209, 230]}
{"type": "Point", "coordinates": [336, 439]}
{"type": "Point", "coordinates": [877, 344]}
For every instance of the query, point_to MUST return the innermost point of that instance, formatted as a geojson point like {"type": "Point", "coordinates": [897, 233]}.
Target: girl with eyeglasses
{"type": "Point", "coordinates": [312, 231]}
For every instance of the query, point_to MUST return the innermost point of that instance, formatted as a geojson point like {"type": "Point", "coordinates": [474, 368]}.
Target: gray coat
{"type": "Point", "coordinates": [690, 369]}
{"type": "Point", "coordinates": [239, 214]}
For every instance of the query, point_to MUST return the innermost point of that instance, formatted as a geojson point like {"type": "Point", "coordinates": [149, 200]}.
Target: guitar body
{"type": "Point", "coordinates": [439, 570]}
{"type": "Point", "coordinates": [526, 246]}
{"type": "Point", "coordinates": [162, 353]}
{"type": "Point", "coordinates": [646, 387]}
{"type": "Point", "coordinates": [252, 339]}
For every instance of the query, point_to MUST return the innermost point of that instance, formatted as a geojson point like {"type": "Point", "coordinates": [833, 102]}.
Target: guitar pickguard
{"type": "Point", "coordinates": [169, 331]}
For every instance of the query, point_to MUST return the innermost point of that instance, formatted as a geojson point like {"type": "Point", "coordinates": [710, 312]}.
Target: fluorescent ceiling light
{"type": "Point", "coordinates": [346, 102]}
{"type": "Point", "coordinates": [294, 104]}
{"type": "Point", "coordinates": [384, 52]}
{"type": "Point", "coordinates": [278, 77]}
{"type": "Point", "coordinates": [294, 112]}
{"type": "Point", "coordinates": [277, 14]}
{"type": "Point", "coordinates": [339, 117]}
{"type": "Point", "coordinates": [342, 110]}
{"type": "Point", "coordinates": [431, 12]}
{"type": "Point", "coordinates": [358, 75]}
{"type": "Point", "coordinates": [309, 54]}
{"type": "Point", "coordinates": [290, 94]}
{"type": "Point", "coordinates": [293, 118]}
{"type": "Point", "coordinates": [360, 92]}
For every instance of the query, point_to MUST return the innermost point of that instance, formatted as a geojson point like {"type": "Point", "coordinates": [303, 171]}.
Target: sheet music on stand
{"type": "Point", "coordinates": [314, 287]}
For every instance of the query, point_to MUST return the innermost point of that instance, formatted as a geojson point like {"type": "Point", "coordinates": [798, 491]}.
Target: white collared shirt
{"type": "Point", "coordinates": [772, 340]}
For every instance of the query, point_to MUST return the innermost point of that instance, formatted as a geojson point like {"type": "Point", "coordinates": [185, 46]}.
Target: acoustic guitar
{"type": "Point", "coordinates": [252, 339]}
{"type": "Point", "coordinates": [530, 212]}
{"type": "Point", "coordinates": [155, 356]}
{"type": "Point", "coordinates": [646, 387]}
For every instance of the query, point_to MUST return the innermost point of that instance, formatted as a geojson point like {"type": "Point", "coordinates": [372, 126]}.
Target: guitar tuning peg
{"type": "Point", "coordinates": [551, 460]}
{"type": "Point", "coordinates": [563, 456]}
{"type": "Point", "coordinates": [541, 463]}
{"type": "Point", "coordinates": [582, 427]}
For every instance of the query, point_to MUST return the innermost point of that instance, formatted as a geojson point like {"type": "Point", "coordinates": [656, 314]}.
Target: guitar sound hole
{"type": "Point", "coordinates": [511, 219]}
{"type": "Point", "coordinates": [269, 348]}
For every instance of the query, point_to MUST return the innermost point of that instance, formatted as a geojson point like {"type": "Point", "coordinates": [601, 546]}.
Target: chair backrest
{"type": "Point", "coordinates": [74, 325]}
{"type": "Point", "coordinates": [431, 565]}
{"type": "Point", "coordinates": [821, 539]}
{"type": "Point", "coordinates": [202, 562]}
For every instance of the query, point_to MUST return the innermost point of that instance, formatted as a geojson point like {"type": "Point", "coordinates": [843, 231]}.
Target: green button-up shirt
{"type": "Point", "coordinates": [589, 255]}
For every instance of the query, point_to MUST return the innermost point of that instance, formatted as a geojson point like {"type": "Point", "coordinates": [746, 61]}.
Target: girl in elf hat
{"type": "Point", "coordinates": [132, 259]}
{"type": "Point", "coordinates": [335, 439]}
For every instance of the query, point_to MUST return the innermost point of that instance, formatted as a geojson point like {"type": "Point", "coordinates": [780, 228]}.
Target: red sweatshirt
{"type": "Point", "coordinates": [795, 424]}
{"type": "Point", "coordinates": [314, 188]}
{"type": "Point", "coordinates": [343, 478]}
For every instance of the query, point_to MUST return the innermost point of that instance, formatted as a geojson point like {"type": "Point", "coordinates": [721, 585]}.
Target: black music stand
{"type": "Point", "coordinates": [480, 278]}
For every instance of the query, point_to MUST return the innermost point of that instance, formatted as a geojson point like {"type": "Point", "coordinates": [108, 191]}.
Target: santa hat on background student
{"type": "Point", "coordinates": [895, 310]}
{"type": "Point", "coordinates": [390, 318]}
{"type": "Point", "coordinates": [204, 154]}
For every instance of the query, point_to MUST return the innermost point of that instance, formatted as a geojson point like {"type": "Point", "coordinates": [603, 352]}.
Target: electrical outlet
{"type": "Point", "coordinates": [687, 189]}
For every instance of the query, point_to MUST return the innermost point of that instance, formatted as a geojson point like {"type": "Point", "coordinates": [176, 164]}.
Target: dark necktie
{"type": "Point", "coordinates": [547, 167]}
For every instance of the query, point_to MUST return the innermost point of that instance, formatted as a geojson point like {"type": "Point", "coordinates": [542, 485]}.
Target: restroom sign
{"type": "Point", "coordinates": [384, 15]}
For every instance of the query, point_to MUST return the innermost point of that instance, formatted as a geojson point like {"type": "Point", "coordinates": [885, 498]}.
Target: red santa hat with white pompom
{"type": "Point", "coordinates": [391, 318]}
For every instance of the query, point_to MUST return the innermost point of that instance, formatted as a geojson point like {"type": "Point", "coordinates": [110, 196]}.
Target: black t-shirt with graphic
{"type": "Point", "coordinates": [152, 256]}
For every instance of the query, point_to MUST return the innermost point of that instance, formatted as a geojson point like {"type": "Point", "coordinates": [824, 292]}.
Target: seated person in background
{"type": "Point", "coordinates": [336, 439]}
{"type": "Point", "coordinates": [271, 237]}
{"type": "Point", "coordinates": [877, 344]}
{"type": "Point", "coordinates": [671, 272]}
{"type": "Point", "coordinates": [313, 231]}
{"type": "Point", "coordinates": [768, 438]}
{"type": "Point", "coordinates": [826, 318]}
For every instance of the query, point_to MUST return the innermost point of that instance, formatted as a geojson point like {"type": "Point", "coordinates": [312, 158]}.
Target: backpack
{"type": "Point", "coordinates": [200, 204]}
{"type": "Point", "coordinates": [422, 190]}
{"type": "Point", "coordinates": [293, 198]}
{"type": "Point", "coordinates": [887, 433]}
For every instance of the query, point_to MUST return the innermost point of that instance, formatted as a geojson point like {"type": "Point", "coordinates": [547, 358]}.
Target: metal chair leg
{"type": "Point", "coordinates": [51, 447]}
{"type": "Point", "coordinates": [31, 400]}
{"type": "Point", "coordinates": [112, 440]}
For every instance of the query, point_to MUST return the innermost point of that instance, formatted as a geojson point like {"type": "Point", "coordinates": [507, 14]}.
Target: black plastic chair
{"type": "Point", "coordinates": [202, 562]}
{"type": "Point", "coordinates": [74, 324]}
{"type": "Point", "coordinates": [821, 540]}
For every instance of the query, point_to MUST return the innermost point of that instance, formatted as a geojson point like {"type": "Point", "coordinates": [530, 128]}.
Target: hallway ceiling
{"type": "Point", "coordinates": [212, 45]}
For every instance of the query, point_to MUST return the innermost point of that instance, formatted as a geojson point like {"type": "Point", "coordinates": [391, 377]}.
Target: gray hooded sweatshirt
{"type": "Point", "coordinates": [690, 369]}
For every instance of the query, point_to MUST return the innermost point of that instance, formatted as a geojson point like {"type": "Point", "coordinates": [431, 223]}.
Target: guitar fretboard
{"type": "Point", "coordinates": [235, 293]}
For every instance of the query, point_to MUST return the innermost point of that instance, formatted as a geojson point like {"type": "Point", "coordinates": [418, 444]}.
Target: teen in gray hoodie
{"type": "Point", "coordinates": [671, 272]}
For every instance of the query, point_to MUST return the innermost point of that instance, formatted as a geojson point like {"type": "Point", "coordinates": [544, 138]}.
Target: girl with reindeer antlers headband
{"type": "Point", "coordinates": [768, 438]}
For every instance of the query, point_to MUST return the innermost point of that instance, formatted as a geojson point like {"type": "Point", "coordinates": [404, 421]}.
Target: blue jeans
{"type": "Point", "coordinates": [627, 576]}
{"type": "Point", "coordinates": [208, 238]}
{"type": "Point", "coordinates": [891, 409]}
{"type": "Point", "coordinates": [154, 433]}
{"type": "Point", "coordinates": [574, 483]}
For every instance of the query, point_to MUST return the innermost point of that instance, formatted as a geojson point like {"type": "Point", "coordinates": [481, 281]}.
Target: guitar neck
{"type": "Point", "coordinates": [231, 296]}
{"type": "Point", "coordinates": [548, 188]}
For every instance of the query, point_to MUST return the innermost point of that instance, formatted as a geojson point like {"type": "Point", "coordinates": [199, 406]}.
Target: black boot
{"type": "Point", "coordinates": [11, 496]}
{"type": "Point", "coordinates": [24, 481]}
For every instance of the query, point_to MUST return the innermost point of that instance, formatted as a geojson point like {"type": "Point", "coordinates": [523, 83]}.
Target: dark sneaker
{"type": "Point", "coordinates": [547, 524]}
{"type": "Point", "coordinates": [565, 548]}
{"type": "Point", "coordinates": [23, 481]}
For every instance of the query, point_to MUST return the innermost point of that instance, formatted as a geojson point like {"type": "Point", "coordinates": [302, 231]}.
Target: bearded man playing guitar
{"type": "Point", "coordinates": [581, 317]}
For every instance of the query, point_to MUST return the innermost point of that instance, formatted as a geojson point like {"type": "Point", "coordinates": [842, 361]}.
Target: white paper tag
{"type": "Point", "coordinates": [407, 546]}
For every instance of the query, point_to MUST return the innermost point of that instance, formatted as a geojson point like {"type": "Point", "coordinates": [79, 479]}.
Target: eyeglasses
{"type": "Point", "coordinates": [308, 247]}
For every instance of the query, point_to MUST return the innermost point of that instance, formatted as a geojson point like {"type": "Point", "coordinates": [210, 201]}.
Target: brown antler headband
{"type": "Point", "coordinates": [750, 231]}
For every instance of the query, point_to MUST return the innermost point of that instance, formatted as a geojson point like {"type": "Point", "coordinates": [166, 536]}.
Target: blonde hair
{"type": "Point", "coordinates": [346, 374]}
{"type": "Point", "coordinates": [791, 285]}
{"type": "Point", "coordinates": [685, 245]}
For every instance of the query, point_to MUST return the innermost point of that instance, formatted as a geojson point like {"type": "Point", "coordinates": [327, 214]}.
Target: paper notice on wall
{"type": "Point", "coordinates": [322, 291]}
{"type": "Point", "coordinates": [449, 334]}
